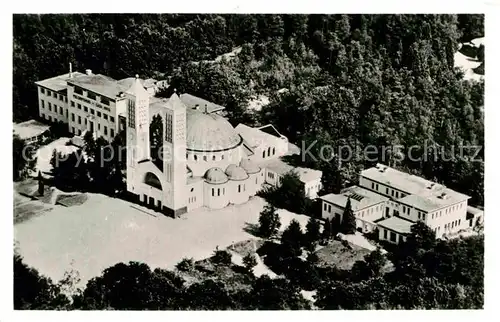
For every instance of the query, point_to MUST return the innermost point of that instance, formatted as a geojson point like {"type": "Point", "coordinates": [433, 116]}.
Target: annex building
{"type": "Point", "coordinates": [205, 161]}
{"type": "Point", "coordinates": [392, 201]}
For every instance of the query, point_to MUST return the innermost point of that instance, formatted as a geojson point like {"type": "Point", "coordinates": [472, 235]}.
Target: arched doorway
{"type": "Point", "coordinates": [153, 181]}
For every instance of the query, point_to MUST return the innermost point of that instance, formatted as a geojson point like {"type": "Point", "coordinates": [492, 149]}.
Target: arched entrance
{"type": "Point", "coordinates": [154, 182]}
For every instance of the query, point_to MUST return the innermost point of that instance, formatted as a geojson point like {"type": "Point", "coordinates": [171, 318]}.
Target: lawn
{"type": "Point", "coordinates": [104, 231]}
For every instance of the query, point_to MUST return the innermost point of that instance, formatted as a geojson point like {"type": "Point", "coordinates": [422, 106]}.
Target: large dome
{"type": "Point", "coordinates": [215, 176]}
{"type": "Point", "coordinates": [235, 172]}
{"type": "Point", "coordinates": [210, 133]}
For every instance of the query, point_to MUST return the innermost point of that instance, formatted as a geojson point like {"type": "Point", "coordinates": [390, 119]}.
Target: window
{"type": "Point", "coordinates": [112, 119]}
{"type": "Point", "coordinates": [91, 95]}
{"type": "Point", "coordinates": [213, 193]}
{"type": "Point", "coordinates": [393, 236]}
{"type": "Point", "coordinates": [397, 194]}
{"type": "Point", "coordinates": [54, 94]}
{"type": "Point", "coordinates": [195, 157]}
{"type": "Point", "coordinates": [112, 132]}
{"type": "Point", "coordinates": [61, 98]}
{"type": "Point", "coordinates": [73, 130]}
{"type": "Point", "coordinates": [92, 111]}
{"type": "Point", "coordinates": [204, 158]}
{"type": "Point", "coordinates": [218, 192]}
{"type": "Point", "coordinates": [99, 114]}
{"type": "Point", "coordinates": [61, 110]}
{"type": "Point", "coordinates": [329, 208]}
{"type": "Point", "coordinates": [72, 104]}
{"type": "Point", "coordinates": [459, 222]}
{"type": "Point", "coordinates": [223, 191]}
{"type": "Point", "coordinates": [263, 154]}
{"type": "Point", "coordinates": [268, 151]}
{"type": "Point", "coordinates": [66, 113]}
{"type": "Point", "coordinates": [43, 116]}
{"type": "Point", "coordinates": [423, 216]}
{"type": "Point", "coordinates": [377, 186]}
{"type": "Point", "coordinates": [386, 191]}
{"type": "Point", "coordinates": [79, 132]}
{"type": "Point", "coordinates": [373, 185]}
{"type": "Point", "coordinates": [404, 209]}
{"type": "Point", "coordinates": [85, 108]}
{"type": "Point", "coordinates": [213, 157]}
{"type": "Point", "coordinates": [324, 204]}
{"type": "Point", "coordinates": [401, 238]}
{"type": "Point", "coordinates": [239, 188]}
{"type": "Point", "coordinates": [50, 107]}
{"type": "Point", "coordinates": [104, 101]}
{"type": "Point", "coordinates": [73, 117]}
{"type": "Point", "coordinates": [392, 193]}
{"type": "Point", "coordinates": [79, 106]}
{"type": "Point", "coordinates": [85, 121]}
{"type": "Point", "coordinates": [42, 90]}
{"type": "Point", "coordinates": [98, 126]}
{"type": "Point", "coordinates": [105, 116]}
{"type": "Point", "coordinates": [432, 216]}
{"type": "Point", "coordinates": [43, 104]}
{"type": "Point", "coordinates": [105, 130]}
{"type": "Point", "coordinates": [79, 119]}
{"type": "Point", "coordinates": [385, 233]}
{"type": "Point", "coordinates": [274, 151]}
{"type": "Point", "coordinates": [222, 157]}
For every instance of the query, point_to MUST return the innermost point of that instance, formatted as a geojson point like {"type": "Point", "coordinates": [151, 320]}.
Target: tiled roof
{"type": "Point", "coordinates": [57, 83]}
{"type": "Point", "coordinates": [397, 224]}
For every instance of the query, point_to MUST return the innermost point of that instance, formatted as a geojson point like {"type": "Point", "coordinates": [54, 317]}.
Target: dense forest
{"type": "Point", "coordinates": [355, 80]}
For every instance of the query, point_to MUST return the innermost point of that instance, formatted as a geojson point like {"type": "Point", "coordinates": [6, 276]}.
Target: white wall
{"type": "Point", "coordinates": [329, 210]}
{"type": "Point", "coordinates": [220, 198]}
{"type": "Point", "coordinates": [222, 160]}
{"type": "Point", "coordinates": [195, 195]}
{"type": "Point", "coordinates": [382, 189]}
{"type": "Point", "coordinates": [448, 220]}
{"type": "Point", "coordinates": [385, 234]}
{"type": "Point", "coordinates": [238, 195]}
{"type": "Point", "coordinates": [55, 102]}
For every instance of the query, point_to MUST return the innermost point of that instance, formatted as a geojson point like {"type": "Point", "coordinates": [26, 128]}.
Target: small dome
{"type": "Point", "coordinates": [215, 176]}
{"type": "Point", "coordinates": [249, 166]}
{"type": "Point", "coordinates": [235, 172]}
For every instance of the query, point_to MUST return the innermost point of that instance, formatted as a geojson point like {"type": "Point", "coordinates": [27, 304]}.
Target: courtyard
{"type": "Point", "coordinates": [104, 231]}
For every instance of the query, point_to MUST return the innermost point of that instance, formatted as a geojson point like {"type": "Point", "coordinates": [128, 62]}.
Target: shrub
{"type": "Point", "coordinates": [185, 265]}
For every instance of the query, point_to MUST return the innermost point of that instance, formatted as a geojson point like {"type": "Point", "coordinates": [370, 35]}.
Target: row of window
{"type": "Point", "coordinates": [268, 152]}
{"type": "Point", "coordinates": [452, 224]}
{"type": "Point", "coordinates": [270, 175]}
{"type": "Point", "coordinates": [218, 191]}
{"type": "Point", "coordinates": [370, 211]}
{"type": "Point", "coordinates": [446, 211]}
{"type": "Point", "coordinates": [93, 112]}
{"type": "Point", "coordinates": [54, 94]}
{"type": "Point", "coordinates": [111, 131]}
{"type": "Point", "coordinates": [205, 158]}
{"type": "Point", "coordinates": [393, 236]}
{"type": "Point", "coordinates": [192, 199]}
{"type": "Point", "coordinates": [390, 192]}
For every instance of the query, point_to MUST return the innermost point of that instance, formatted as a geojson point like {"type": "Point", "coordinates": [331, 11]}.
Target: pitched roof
{"type": "Point", "coordinates": [423, 194]}
{"type": "Point", "coordinates": [360, 198]}
{"type": "Point", "coordinates": [57, 83]}
{"type": "Point", "coordinates": [396, 224]}
{"type": "Point", "coordinates": [280, 167]}
{"type": "Point", "coordinates": [193, 102]}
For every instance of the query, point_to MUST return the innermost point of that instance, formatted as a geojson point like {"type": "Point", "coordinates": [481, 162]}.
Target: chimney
{"type": "Point", "coordinates": [88, 71]}
{"type": "Point", "coordinates": [70, 70]}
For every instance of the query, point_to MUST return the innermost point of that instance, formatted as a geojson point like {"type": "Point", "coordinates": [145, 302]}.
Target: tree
{"type": "Point", "coordinates": [222, 257]}
{"type": "Point", "coordinates": [41, 186]}
{"type": "Point", "coordinates": [327, 230]}
{"type": "Point", "coordinates": [276, 294]}
{"type": "Point", "coordinates": [33, 291]}
{"type": "Point", "coordinates": [249, 261]}
{"type": "Point", "coordinates": [185, 265]}
{"type": "Point", "coordinates": [312, 234]}
{"type": "Point", "coordinates": [269, 222]}
{"type": "Point", "coordinates": [292, 238]}
{"type": "Point", "coordinates": [348, 225]}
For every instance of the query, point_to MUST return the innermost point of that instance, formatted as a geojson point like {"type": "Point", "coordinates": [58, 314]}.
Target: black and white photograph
{"type": "Point", "coordinates": [247, 161]}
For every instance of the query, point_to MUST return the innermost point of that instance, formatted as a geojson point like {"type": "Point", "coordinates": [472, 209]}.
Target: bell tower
{"type": "Point", "coordinates": [174, 154]}
{"type": "Point", "coordinates": [137, 129]}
